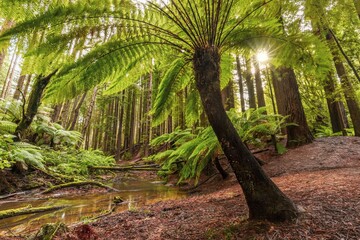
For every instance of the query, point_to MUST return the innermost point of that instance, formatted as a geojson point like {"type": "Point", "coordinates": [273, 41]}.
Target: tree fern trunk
{"type": "Point", "coordinates": [33, 103]}
{"type": "Point", "coordinates": [264, 199]}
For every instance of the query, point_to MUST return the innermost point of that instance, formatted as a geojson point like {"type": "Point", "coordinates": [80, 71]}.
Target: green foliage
{"type": "Point", "coordinates": [326, 131]}
{"type": "Point", "coordinates": [28, 153]}
{"type": "Point", "coordinates": [75, 162]}
{"type": "Point", "coordinates": [5, 141]}
{"type": "Point", "coordinates": [189, 153]}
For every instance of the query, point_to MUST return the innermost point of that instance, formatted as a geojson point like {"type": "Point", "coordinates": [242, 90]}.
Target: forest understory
{"type": "Point", "coordinates": [322, 178]}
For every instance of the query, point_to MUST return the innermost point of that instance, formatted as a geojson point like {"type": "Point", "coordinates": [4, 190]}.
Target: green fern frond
{"type": "Point", "coordinates": [174, 80]}
{"type": "Point", "coordinates": [7, 127]}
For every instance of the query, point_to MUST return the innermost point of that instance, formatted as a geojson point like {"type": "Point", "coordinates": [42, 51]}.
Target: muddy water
{"type": "Point", "coordinates": [135, 194]}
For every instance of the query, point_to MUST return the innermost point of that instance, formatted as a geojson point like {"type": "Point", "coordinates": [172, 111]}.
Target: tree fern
{"type": "Point", "coordinates": [174, 80]}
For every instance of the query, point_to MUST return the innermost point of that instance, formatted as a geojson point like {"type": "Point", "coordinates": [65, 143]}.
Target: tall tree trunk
{"type": "Point", "coordinates": [148, 103]}
{"type": "Point", "coordinates": [264, 198]}
{"type": "Point", "coordinates": [7, 24]}
{"type": "Point", "coordinates": [334, 106]}
{"type": "Point", "coordinates": [76, 112]}
{"type": "Point", "coordinates": [348, 89]}
{"type": "Point", "coordinates": [56, 112]}
{"type": "Point", "coordinates": [258, 83]}
{"type": "Point", "coordinates": [132, 120]}
{"type": "Point", "coordinates": [289, 103]}
{"type": "Point", "coordinates": [227, 95]}
{"type": "Point", "coordinates": [89, 112]}
{"type": "Point", "coordinates": [241, 85]}
{"type": "Point", "coordinates": [27, 84]}
{"type": "Point", "coordinates": [9, 76]}
{"type": "Point", "coordinates": [33, 103]}
{"type": "Point", "coordinates": [250, 85]}
{"type": "Point", "coordinates": [19, 87]}
{"type": "Point", "coordinates": [120, 127]}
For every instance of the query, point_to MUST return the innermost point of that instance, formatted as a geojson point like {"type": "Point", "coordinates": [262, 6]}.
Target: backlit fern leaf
{"type": "Point", "coordinates": [174, 80]}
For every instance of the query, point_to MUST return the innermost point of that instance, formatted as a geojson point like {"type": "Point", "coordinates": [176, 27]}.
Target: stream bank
{"type": "Point", "coordinates": [323, 178]}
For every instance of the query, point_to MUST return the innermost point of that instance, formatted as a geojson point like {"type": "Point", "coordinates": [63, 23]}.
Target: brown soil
{"type": "Point", "coordinates": [323, 178]}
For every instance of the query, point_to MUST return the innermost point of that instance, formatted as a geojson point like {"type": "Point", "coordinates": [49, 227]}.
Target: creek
{"type": "Point", "coordinates": [135, 193]}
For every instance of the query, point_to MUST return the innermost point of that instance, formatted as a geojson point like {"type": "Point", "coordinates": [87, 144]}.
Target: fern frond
{"type": "Point", "coordinates": [174, 80]}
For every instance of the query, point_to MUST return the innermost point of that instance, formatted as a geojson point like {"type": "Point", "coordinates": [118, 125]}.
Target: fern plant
{"type": "Point", "coordinates": [189, 153]}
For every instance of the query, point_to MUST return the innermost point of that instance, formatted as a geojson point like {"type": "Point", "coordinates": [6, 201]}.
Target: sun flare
{"type": "Point", "coordinates": [262, 56]}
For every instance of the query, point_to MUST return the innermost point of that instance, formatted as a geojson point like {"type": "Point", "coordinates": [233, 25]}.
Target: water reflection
{"type": "Point", "coordinates": [80, 208]}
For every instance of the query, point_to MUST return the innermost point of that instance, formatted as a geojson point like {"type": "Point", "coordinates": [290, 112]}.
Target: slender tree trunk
{"type": "Point", "coordinates": [89, 112]}
{"type": "Point", "coordinates": [120, 127]}
{"type": "Point", "coordinates": [27, 84]}
{"type": "Point", "coordinates": [334, 106]}
{"type": "Point", "coordinates": [258, 83]}
{"type": "Point", "coordinates": [264, 198]}
{"type": "Point", "coordinates": [9, 75]}
{"type": "Point", "coordinates": [269, 77]}
{"type": "Point", "coordinates": [348, 89]}
{"type": "Point", "coordinates": [7, 24]}
{"type": "Point", "coordinates": [289, 103]}
{"type": "Point", "coordinates": [19, 87]}
{"type": "Point", "coordinates": [56, 112]}
{"type": "Point", "coordinates": [64, 113]}
{"type": "Point", "coordinates": [75, 114]}
{"type": "Point", "coordinates": [250, 85]}
{"type": "Point", "coordinates": [33, 103]}
{"type": "Point", "coordinates": [227, 95]}
{"type": "Point", "coordinates": [241, 86]}
{"type": "Point", "coordinates": [132, 120]}
{"type": "Point", "coordinates": [148, 103]}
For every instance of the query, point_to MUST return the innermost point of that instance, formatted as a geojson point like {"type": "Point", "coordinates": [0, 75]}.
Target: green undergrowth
{"type": "Point", "coordinates": [188, 152]}
{"type": "Point", "coordinates": [46, 145]}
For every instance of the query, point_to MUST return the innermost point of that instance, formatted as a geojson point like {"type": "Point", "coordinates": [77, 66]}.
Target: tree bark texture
{"type": "Point", "coordinates": [33, 103]}
{"type": "Point", "coordinates": [250, 85]}
{"type": "Point", "coordinates": [289, 103]}
{"type": "Point", "coordinates": [346, 84]}
{"type": "Point", "coordinates": [241, 85]}
{"type": "Point", "coordinates": [334, 106]}
{"type": "Point", "coordinates": [19, 87]}
{"type": "Point", "coordinates": [258, 83]}
{"type": "Point", "coordinates": [264, 198]}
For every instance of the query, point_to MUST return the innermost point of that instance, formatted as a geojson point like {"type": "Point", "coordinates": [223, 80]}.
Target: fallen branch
{"type": "Point", "coordinates": [11, 195]}
{"type": "Point", "coordinates": [27, 210]}
{"type": "Point", "coordinates": [77, 184]}
{"type": "Point", "coordinates": [125, 168]}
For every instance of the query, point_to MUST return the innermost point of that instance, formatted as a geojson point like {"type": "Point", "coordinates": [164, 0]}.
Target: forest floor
{"type": "Point", "coordinates": [322, 178]}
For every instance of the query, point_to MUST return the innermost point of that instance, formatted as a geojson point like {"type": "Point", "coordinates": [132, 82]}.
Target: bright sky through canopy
{"type": "Point", "coordinates": [262, 56]}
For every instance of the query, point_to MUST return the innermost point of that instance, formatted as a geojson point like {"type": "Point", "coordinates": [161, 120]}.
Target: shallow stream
{"type": "Point", "coordinates": [135, 193]}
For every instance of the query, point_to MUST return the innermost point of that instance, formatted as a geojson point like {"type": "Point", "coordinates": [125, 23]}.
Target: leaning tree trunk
{"type": "Point", "coordinates": [33, 103]}
{"type": "Point", "coordinates": [265, 200]}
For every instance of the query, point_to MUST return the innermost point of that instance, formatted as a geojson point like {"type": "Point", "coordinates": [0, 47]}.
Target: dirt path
{"type": "Point", "coordinates": [323, 178]}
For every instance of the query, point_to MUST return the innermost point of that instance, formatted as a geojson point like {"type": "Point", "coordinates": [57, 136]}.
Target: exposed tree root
{"type": "Point", "coordinates": [77, 184]}
{"type": "Point", "coordinates": [27, 210]}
